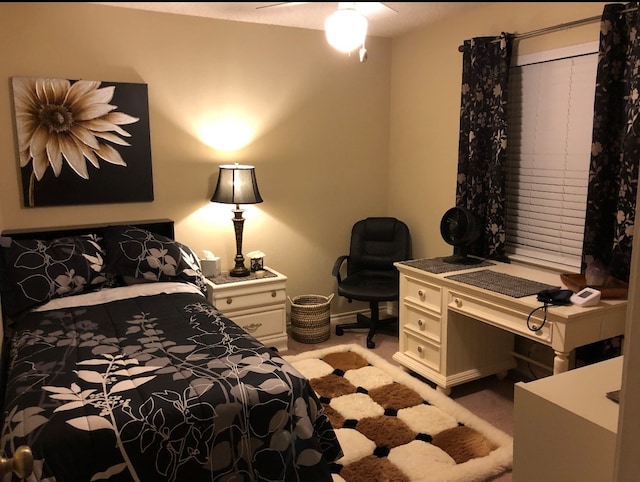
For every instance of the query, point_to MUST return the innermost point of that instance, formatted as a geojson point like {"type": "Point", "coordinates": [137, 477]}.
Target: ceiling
{"type": "Point", "coordinates": [389, 19]}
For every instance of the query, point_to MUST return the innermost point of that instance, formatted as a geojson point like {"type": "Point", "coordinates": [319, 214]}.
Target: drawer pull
{"type": "Point", "coordinates": [274, 294]}
{"type": "Point", "coordinates": [229, 301]}
{"type": "Point", "coordinates": [421, 293]}
{"type": "Point", "coordinates": [458, 302]}
{"type": "Point", "coordinates": [252, 327]}
{"type": "Point", "coordinates": [20, 464]}
{"type": "Point", "coordinates": [421, 323]}
{"type": "Point", "coordinates": [420, 349]}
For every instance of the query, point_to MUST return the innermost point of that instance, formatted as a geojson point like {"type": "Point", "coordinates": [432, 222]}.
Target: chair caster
{"type": "Point", "coordinates": [370, 343]}
{"type": "Point", "coordinates": [339, 331]}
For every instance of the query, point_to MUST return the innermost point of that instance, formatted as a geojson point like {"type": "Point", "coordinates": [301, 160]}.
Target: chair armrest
{"type": "Point", "coordinates": [337, 265]}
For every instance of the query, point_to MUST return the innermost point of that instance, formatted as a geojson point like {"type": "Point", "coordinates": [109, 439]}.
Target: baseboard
{"type": "Point", "coordinates": [386, 309]}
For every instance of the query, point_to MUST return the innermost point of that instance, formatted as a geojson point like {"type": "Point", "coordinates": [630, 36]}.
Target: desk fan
{"type": "Point", "coordinates": [460, 228]}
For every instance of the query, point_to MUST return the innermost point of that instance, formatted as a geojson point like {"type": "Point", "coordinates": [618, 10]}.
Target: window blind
{"type": "Point", "coordinates": [550, 118]}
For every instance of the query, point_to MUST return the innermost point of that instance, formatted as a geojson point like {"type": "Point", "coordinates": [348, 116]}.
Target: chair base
{"type": "Point", "coordinates": [365, 322]}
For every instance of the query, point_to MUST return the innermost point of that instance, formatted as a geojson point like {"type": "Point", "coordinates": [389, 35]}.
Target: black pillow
{"type": "Point", "coordinates": [136, 254]}
{"type": "Point", "coordinates": [35, 271]}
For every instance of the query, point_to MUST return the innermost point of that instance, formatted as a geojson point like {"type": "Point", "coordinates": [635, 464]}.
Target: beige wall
{"type": "Point", "coordinates": [334, 140]}
{"type": "Point", "coordinates": [320, 124]}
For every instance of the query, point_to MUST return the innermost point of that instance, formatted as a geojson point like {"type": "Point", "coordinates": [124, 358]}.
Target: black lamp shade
{"type": "Point", "coordinates": [237, 185]}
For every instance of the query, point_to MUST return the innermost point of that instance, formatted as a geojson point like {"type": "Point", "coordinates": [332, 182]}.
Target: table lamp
{"type": "Point", "coordinates": [237, 185]}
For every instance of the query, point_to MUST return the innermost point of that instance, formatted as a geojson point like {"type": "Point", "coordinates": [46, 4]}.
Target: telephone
{"type": "Point", "coordinates": [586, 297]}
{"type": "Point", "coordinates": [555, 297]}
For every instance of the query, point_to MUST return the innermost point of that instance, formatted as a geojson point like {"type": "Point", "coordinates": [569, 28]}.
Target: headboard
{"type": "Point", "coordinates": [163, 227]}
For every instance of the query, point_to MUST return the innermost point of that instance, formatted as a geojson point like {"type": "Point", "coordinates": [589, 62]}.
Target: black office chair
{"type": "Point", "coordinates": [376, 243]}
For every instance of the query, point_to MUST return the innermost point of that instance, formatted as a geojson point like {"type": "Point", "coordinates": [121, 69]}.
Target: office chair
{"type": "Point", "coordinates": [376, 243]}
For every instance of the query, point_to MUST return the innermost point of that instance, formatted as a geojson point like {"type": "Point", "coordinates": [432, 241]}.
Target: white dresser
{"type": "Point", "coordinates": [565, 428]}
{"type": "Point", "coordinates": [258, 305]}
{"type": "Point", "coordinates": [453, 332]}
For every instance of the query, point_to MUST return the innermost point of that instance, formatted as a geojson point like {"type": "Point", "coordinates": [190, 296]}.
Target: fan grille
{"type": "Point", "coordinates": [460, 227]}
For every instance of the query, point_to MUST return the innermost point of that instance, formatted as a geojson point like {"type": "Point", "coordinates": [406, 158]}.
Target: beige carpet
{"type": "Point", "coordinates": [393, 427]}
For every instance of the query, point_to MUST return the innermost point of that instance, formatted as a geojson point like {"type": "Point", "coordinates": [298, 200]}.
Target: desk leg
{"type": "Point", "coordinates": [446, 391]}
{"type": "Point", "coordinates": [560, 362]}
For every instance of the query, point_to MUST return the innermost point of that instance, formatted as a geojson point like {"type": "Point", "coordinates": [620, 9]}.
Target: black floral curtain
{"type": "Point", "coordinates": [483, 138]}
{"type": "Point", "coordinates": [615, 151]}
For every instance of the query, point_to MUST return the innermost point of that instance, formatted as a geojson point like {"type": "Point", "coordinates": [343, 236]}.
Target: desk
{"type": "Point", "coordinates": [453, 332]}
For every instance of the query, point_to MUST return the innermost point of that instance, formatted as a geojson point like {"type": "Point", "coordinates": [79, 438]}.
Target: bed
{"type": "Point", "coordinates": [116, 367]}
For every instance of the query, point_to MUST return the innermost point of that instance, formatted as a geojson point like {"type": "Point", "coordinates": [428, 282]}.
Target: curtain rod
{"type": "Point", "coordinates": [554, 28]}
{"type": "Point", "coordinates": [562, 26]}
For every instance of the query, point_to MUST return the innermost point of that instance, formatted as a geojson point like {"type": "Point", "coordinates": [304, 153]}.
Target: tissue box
{"type": "Point", "coordinates": [210, 267]}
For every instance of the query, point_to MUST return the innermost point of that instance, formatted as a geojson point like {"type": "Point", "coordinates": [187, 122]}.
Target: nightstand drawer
{"type": "Point", "coordinates": [261, 324]}
{"type": "Point", "coordinates": [249, 300]}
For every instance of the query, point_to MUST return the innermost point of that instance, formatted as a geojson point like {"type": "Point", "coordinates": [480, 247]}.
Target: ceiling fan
{"type": "Point", "coordinates": [346, 28]}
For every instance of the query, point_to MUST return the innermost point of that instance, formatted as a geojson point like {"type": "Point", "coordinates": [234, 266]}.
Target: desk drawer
{"type": "Point", "coordinates": [422, 350]}
{"type": "Point", "coordinates": [425, 323]}
{"type": "Point", "coordinates": [423, 293]}
{"type": "Point", "coordinates": [508, 319]}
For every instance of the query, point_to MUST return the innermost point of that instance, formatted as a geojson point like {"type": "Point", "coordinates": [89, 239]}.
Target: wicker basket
{"type": "Point", "coordinates": [310, 318]}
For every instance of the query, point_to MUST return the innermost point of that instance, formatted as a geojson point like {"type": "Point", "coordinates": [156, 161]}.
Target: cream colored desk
{"type": "Point", "coordinates": [452, 332]}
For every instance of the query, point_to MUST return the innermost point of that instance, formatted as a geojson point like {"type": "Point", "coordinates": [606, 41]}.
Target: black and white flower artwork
{"type": "Point", "coordinates": [82, 141]}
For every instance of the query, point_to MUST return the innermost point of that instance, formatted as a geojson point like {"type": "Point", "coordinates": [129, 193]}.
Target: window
{"type": "Point", "coordinates": [550, 117]}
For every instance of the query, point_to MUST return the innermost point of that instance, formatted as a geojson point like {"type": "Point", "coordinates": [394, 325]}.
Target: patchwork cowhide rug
{"type": "Point", "coordinates": [395, 428]}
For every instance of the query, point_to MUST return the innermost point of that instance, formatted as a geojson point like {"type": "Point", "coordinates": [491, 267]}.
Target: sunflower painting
{"type": "Point", "coordinates": [82, 141]}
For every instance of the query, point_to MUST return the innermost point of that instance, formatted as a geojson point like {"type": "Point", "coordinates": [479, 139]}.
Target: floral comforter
{"type": "Point", "coordinates": [158, 388]}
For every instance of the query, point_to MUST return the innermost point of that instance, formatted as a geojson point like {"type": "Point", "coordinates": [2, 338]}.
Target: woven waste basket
{"type": "Point", "coordinates": [310, 318]}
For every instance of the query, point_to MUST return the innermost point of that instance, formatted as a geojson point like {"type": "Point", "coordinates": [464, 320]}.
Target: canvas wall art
{"type": "Point", "coordinates": [82, 141]}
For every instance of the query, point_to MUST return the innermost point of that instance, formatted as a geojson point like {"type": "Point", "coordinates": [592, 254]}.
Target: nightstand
{"type": "Point", "coordinates": [258, 305]}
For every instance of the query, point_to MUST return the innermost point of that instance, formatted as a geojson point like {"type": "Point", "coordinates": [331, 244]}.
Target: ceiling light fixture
{"type": "Point", "coordinates": [346, 28]}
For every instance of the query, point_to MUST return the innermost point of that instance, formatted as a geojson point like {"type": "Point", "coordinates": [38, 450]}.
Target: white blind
{"type": "Point", "coordinates": [550, 119]}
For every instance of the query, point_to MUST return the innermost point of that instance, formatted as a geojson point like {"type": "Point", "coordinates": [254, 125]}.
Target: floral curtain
{"type": "Point", "coordinates": [615, 150]}
{"type": "Point", "coordinates": [613, 173]}
{"type": "Point", "coordinates": [483, 138]}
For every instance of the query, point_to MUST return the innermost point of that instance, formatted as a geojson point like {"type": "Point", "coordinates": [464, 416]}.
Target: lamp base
{"type": "Point", "coordinates": [239, 271]}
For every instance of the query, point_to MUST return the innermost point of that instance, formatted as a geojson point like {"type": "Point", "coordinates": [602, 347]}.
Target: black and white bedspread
{"type": "Point", "coordinates": [158, 387]}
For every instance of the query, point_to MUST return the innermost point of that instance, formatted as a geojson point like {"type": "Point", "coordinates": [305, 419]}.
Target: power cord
{"type": "Point", "coordinates": [529, 355]}
{"type": "Point", "coordinates": [555, 297]}
{"type": "Point", "coordinates": [533, 327]}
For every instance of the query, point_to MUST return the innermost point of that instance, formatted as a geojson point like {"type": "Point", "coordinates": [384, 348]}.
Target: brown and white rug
{"type": "Point", "coordinates": [395, 428]}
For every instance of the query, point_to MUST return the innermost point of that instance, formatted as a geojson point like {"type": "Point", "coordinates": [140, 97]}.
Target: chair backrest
{"type": "Point", "coordinates": [377, 243]}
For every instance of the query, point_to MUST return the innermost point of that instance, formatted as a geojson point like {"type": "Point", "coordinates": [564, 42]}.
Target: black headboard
{"type": "Point", "coordinates": [163, 227]}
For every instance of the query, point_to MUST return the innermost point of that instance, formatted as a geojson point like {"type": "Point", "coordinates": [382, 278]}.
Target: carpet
{"type": "Point", "coordinates": [395, 428]}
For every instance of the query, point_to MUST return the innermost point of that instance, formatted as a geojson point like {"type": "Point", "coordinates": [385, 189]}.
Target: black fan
{"type": "Point", "coordinates": [460, 227]}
